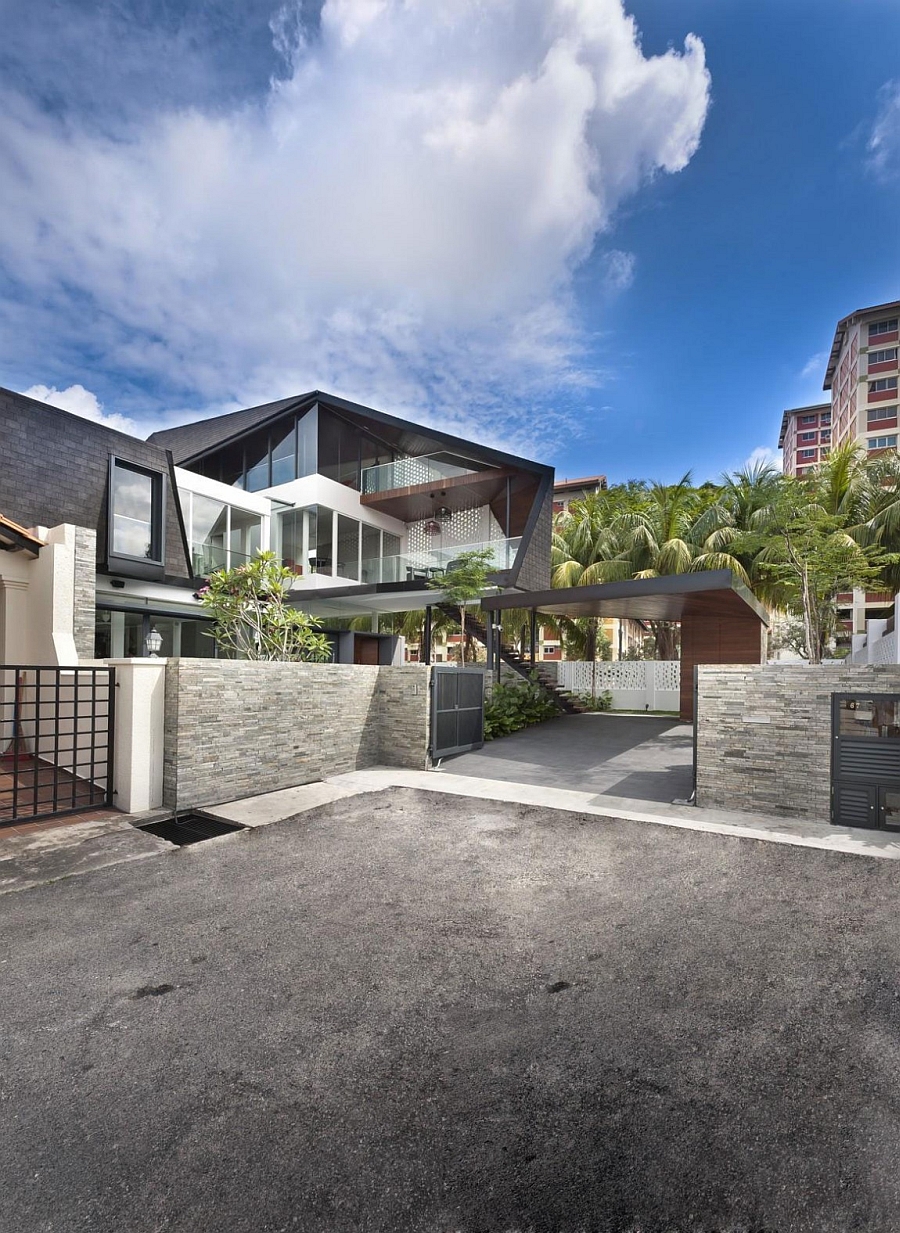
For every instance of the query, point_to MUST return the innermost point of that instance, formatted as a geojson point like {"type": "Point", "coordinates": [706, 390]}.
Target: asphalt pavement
{"type": "Point", "coordinates": [413, 1013]}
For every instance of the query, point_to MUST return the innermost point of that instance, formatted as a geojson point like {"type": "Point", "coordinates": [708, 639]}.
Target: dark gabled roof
{"type": "Point", "coordinates": [589, 481]}
{"type": "Point", "coordinates": [190, 440]}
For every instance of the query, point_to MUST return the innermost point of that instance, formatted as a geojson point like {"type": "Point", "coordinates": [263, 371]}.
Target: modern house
{"type": "Point", "coordinates": [365, 508]}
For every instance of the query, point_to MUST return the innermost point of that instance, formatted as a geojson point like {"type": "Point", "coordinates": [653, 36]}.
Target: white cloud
{"type": "Point", "coordinates": [884, 140]}
{"type": "Point", "coordinates": [618, 269]}
{"type": "Point", "coordinates": [762, 456]}
{"type": "Point", "coordinates": [397, 221]}
{"type": "Point", "coordinates": [81, 402]}
{"type": "Point", "coordinates": [815, 365]}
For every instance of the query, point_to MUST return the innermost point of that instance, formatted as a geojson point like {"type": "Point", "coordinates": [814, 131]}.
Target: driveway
{"type": "Point", "coordinates": [638, 757]}
{"type": "Point", "coordinates": [408, 1013]}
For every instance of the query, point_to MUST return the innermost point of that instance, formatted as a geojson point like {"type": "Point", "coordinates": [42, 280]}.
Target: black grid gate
{"type": "Point", "coordinates": [457, 710]}
{"type": "Point", "coordinates": [56, 740]}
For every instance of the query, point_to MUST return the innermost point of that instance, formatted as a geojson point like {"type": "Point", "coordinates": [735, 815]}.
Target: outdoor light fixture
{"type": "Point", "coordinates": [153, 643]}
{"type": "Point", "coordinates": [432, 528]}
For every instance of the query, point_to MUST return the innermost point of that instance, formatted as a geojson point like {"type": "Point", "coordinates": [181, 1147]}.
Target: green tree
{"type": "Point", "coordinates": [464, 584]}
{"type": "Point", "coordinates": [253, 619]}
{"type": "Point", "coordinates": [809, 555]}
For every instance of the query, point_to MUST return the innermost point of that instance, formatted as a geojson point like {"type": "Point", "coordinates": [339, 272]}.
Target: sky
{"type": "Point", "coordinates": [612, 238]}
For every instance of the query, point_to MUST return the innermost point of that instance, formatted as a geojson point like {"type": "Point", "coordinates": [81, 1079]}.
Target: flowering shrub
{"type": "Point", "coordinates": [253, 619]}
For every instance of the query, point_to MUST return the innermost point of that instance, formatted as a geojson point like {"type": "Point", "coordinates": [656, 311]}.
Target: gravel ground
{"type": "Point", "coordinates": [410, 1012]}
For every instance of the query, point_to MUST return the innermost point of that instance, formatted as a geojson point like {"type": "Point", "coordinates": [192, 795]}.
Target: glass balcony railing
{"type": "Point", "coordinates": [209, 557]}
{"type": "Point", "coordinates": [425, 566]}
{"type": "Point", "coordinates": [407, 472]}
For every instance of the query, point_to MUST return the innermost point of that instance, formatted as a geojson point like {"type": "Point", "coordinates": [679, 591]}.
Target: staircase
{"type": "Point", "coordinates": [566, 701]}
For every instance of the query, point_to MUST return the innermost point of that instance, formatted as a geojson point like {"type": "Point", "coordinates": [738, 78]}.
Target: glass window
{"type": "Point", "coordinates": [873, 414]}
{"type": "Point", "coordinates": [245, 536]}
{"type": "Point", "coordinates": [391, 545]}
{"type": "Point", "coordinates": [307, 443]}
{"type": "Point", "coordinates": [883, 383]}
{"type": "Point", "coordinates": [136, 499]}
{"type": "Point", "coordinates": [371, 551]}
{"type": "Point", "coordinates": [256, 455]}
{"type": "Point", "coordinates": [209, 525]}
{"type": "Point", "coordinates": [329, 446]}
{"type": "Point", "coordinates": [321, 535]}
{"type": "Point", "coordinates": [284, 449]}
{"type": "Point", "coordinates": [348, 548]}
{"type": "Point", "coordinates": [871, 719]}
{"type": "Point", "coordinates": [882, 327]}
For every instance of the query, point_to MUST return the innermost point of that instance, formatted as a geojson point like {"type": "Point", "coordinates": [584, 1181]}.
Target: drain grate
{"type": "Point", "coordinates": [191, 828]}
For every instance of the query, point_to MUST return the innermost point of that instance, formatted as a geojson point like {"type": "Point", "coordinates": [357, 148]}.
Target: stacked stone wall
{"type": "Point", "coordinates": [764, 734]}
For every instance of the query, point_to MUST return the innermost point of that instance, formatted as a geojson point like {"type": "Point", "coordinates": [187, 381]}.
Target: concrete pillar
{"type": "Point", "coordinates": [140, 713]}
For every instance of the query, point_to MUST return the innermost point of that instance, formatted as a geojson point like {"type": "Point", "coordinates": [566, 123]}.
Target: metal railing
{"type": "Point", "coordinates": [56, 740]}
{"type": "Point", "coordinates": [427, 566]}
{"type": "Point", "coordinates": [407, 472]}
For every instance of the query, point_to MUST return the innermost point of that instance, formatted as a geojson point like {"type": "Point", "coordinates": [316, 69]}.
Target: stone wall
{"type": "Point", "coordinates": [764, 734]}
{"type": "Point", "coordinates": [84, 607]}
{"type": "Point", "coordinates": [234, 728]}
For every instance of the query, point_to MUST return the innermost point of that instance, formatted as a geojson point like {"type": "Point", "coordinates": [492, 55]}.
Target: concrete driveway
{"type": "Point", "coordinates": [635, 757]}
{"type": "Point", "coordinates": [409, 1013]}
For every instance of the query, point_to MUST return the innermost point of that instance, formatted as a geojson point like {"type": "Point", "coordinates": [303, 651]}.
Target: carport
{"type": "Point", "coordinates": [722, 622]}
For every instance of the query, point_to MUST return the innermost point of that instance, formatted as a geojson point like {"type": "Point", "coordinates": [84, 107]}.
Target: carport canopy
{"type": "Point", "coordinates": [722, 622]}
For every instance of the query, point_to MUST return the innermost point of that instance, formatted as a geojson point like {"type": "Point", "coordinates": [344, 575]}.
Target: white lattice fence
{"type": "Point", "coordinates": [635, 685]}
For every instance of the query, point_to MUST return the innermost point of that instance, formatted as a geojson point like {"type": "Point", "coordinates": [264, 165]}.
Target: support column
{"type": "Point", "coordinates": [425, 655]}
{"type": "Point", "coordinates": [532, 635]}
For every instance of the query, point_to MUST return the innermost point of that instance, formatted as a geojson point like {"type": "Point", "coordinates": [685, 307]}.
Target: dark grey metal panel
{"type": "Point", "coordinates": [457, 710]}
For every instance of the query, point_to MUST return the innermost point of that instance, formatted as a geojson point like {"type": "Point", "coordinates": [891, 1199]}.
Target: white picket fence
{"type": "Point", "coordinates": [635, 684]}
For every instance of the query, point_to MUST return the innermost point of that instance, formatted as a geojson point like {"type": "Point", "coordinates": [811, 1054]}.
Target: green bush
{"type": "Point", "coordinates": [516, 705]}
{"type": "Point", "coordinates": [603, 702]}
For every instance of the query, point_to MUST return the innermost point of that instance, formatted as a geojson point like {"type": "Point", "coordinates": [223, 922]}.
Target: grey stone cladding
{"type": "Point", "coordinates": [764, 734]}
{"type": "Point", "coordinates": [85, 598]}
{"type": "Point", "coordinates": [234, 728]}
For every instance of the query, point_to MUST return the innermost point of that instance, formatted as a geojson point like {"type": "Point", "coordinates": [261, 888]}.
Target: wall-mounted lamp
{"type": "Point", "coordinates": [153, 643]}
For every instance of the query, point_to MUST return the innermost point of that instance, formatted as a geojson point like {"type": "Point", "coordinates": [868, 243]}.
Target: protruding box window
{"type": "Point", "coordinates": [136, 512]}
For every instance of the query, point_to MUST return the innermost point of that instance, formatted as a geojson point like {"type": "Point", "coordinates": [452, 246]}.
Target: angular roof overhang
{"type": "Point", "coordinates": [14, 538]}
{"type": "Point", "coordinates": [672, 597]}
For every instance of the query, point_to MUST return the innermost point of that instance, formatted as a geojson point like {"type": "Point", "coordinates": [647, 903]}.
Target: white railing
{"type": "Point", "coordinates": [635, 684]}
{"type": "Point", "coordinates": [878, 645]}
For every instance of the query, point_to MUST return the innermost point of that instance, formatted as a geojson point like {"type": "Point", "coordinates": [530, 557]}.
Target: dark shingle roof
{"type": "Point", "coordinates": [190, 440]}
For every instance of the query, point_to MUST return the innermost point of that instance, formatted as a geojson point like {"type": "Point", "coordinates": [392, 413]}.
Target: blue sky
{"type": "Point", "coordinates": [526, 221]}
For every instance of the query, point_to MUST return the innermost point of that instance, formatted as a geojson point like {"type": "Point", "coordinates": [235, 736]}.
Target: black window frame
{"type": "Point", "coordinates": [158, 506]}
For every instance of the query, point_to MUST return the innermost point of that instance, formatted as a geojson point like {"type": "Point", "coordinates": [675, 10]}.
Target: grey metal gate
{"type": "Point", "coordinates": [865, 760]}
{"type": "Point", "coordinates": [457, 710]}
{"type": "Point", "coordinates": [56, 740]}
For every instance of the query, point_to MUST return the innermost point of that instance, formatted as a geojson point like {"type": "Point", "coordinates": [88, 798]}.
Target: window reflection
{"type": "Point", "coordinates": [874, 718]}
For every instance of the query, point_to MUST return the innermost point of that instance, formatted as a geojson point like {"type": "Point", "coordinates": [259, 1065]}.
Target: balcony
{"type": "Point", "coordinates": [411, 488]}
{"type": "Point", "coordinates": [425, 567]}
{"type": "Point", "coordinates": [207, 558]}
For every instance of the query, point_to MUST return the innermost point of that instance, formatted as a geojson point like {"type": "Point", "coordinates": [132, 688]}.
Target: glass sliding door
{"type": "Point", "coordinates": [348, 547]}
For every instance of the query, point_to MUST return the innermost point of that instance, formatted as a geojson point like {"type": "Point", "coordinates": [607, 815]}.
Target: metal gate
{"type": "Point", "coordinates": [865, 760]}
{"type": "Point", "coordinates": [457, 710]}
{"type": "Point", "coordinates": [56, 740]}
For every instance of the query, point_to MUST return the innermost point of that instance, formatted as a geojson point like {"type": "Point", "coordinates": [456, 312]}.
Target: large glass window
{"type": "Point", "coordinates": [284, 451]}
{"type": "Point", "coordinates": [371, 552]}
{"type": "Point", "coordinates": [245, 530]}
{"type": "Point", "coordinates": [348, 548]}
{"type": "Point", "coordinates": [136, 509]}
{"type": "Point", "coordinates": [256, 455]}
{"type": "Point", "coordinates": [323, 561]}
{"type": "Point", "coordinates": [209, 529]}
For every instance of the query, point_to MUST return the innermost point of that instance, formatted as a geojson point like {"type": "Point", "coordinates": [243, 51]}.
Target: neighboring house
{"type": "Point", "coordinates": [862, 377]}
{"type": "Point", "coordinates": [566, 491]}
{"type": "Point", "coordinates": [365, 508]}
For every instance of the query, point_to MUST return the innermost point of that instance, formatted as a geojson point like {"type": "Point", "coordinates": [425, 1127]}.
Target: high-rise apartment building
{"type": "Point", "coordinates": [862, 377]}
{"type": "Point", "coordinates": [805, 437]}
